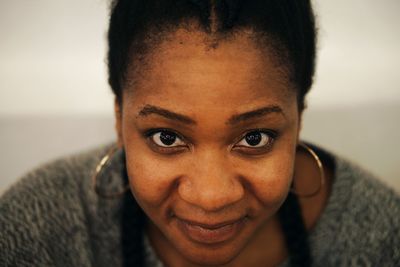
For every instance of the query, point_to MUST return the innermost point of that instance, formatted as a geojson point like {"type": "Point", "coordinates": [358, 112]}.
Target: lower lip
{"type": "Point", "coordinates": [210, 236]}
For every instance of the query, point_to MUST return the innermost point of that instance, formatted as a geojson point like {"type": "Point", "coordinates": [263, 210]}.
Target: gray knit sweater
{"type": "Point", "coordinates": [52, 217]}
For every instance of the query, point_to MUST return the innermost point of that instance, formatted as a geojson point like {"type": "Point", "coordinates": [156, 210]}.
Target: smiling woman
{"type": "Point", "coordinates": [208, 168]}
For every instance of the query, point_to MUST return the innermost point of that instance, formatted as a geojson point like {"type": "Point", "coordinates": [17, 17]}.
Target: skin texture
{"type": "Point", "coordinates": [212, 175]}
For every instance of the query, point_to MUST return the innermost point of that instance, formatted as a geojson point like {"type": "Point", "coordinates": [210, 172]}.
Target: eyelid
{"type": "Point", "coordinates": [273, 134]}
{"type": "Point", "coordinates": [148, 134]}
{"type": "Point", "coordinates": [151, 132]}
{"type": "Point", "coordinates": [256, 150]}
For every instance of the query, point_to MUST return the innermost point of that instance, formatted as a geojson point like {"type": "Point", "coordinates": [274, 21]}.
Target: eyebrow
{"type": "Point", "coordinates": [255, 114]}
{"type": "Point", "coordinates": [150, 109]}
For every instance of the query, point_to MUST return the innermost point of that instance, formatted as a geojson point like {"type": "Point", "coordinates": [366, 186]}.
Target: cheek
{"type": "Point", "coordinates": [151, 181]}
{"type": "Point", "coordinates": [270, 179]}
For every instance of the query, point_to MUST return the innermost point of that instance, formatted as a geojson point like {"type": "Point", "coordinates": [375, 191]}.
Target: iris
{"type": "Point", "coordinates": [253, 138]}
{"type": "Point", "coordinates": [167, 138]}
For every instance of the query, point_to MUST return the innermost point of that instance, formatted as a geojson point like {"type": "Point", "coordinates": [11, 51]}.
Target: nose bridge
{"type": "Point", "coordinates": [211, 183]}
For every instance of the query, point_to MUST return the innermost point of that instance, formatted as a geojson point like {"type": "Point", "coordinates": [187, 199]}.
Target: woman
{"type": "Point", "coordinates": [208, 169]}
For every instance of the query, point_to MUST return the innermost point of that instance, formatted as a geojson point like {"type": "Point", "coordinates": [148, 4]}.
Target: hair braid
{"type": "Point", "coordinates": [132, 225]}
{"type": "Point", "coordinates": [295, 232]}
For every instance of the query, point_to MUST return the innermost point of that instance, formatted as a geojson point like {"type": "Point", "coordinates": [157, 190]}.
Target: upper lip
{"type": "Point", "coordinates": [211, 226]}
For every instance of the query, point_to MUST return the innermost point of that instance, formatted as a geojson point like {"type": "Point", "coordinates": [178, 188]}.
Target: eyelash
{"type": "Point", "coordinates": [271, 135]}
{"type": "Point", "coordinates": [149, 134]}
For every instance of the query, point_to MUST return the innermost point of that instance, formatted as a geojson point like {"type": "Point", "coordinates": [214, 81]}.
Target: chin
{"type": "Point", "coordinates": [211, 254]}
{"type": "Point", "coordinates": [211, 257]}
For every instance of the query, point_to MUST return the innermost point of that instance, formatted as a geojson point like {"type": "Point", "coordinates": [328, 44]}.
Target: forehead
{"type": "Point", "coordinates": [196, 68]}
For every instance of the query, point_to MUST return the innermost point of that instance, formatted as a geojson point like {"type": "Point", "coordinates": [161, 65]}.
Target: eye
{"type": "Point", "coordinates": [256, 139]}
{"type": "Point", "coordinates": [165, 138]}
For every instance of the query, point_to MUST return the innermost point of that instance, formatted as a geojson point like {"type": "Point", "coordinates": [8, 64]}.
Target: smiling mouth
{"type": "Point", "coordinates": [210, 233]}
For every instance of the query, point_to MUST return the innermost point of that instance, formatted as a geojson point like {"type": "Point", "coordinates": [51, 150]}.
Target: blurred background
{"type": "Point", "coordinates": [54, 97]}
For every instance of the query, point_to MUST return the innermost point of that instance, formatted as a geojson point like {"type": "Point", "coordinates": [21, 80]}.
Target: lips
{"type": "Point", "coordinates": [210, 233]}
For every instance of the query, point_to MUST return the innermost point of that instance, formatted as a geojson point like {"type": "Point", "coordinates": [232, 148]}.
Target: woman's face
{"type": "Point", "coordinates": [210, 134]}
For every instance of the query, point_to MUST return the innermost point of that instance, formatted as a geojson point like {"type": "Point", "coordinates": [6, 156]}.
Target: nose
{"type": "Point", "coordinates": [211, 184]}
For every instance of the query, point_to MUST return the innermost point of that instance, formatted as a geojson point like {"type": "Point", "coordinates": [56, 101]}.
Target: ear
{"type": "Point", "coordinates": [118, 122]}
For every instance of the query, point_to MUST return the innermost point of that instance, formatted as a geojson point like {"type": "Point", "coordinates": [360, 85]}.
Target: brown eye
{"type": "Point", "coordinates": [255, 139]}
{"type": "Point", "coordinates": [166, 139]}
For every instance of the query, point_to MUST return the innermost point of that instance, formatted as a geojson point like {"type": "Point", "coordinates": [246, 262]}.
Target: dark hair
{"type": "Point", "coordinates": [289, 28]}
{"type": "Point", "coordinates": [288, 25]}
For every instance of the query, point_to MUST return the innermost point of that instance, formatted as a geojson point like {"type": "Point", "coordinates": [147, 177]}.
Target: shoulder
{"type": "Point", "coordinates": [371, 203]}
{"type": "Point", "coordinates": [44, 210]}
{"type": "Point", "coordinates": [373, 209]}
{"type": "Point", "coordinates": [60, 178]}
{"type": "Point", "coordinates": [364, 216]}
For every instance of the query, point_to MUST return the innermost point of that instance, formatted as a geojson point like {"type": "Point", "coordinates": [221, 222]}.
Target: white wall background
{"type": "Point", "coordinates": [52, 57]}
{"type": "Point", "coordinates": [53, 82]}
{"type": "Point", "coordinates": [359, 57]}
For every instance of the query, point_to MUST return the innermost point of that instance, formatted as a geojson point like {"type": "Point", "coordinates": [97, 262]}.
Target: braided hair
{"type": "Point", "coordinates": [289, 29]}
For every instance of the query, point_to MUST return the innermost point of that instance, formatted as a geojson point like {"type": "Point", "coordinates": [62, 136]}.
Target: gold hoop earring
{"type": "Point", "coordinates": [99, 169]}
{"type": "Point", "coordinates": [320, 168]}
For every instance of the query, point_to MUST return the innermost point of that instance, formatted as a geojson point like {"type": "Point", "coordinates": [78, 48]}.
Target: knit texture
{"type": "Point", "coordinates": [52, 217]}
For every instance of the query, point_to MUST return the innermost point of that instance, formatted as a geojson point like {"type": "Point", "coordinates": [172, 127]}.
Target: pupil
{"type": "Point", "coordinates": [253, 138]}
{"type": "Point", "coordinates": [167, 138]}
